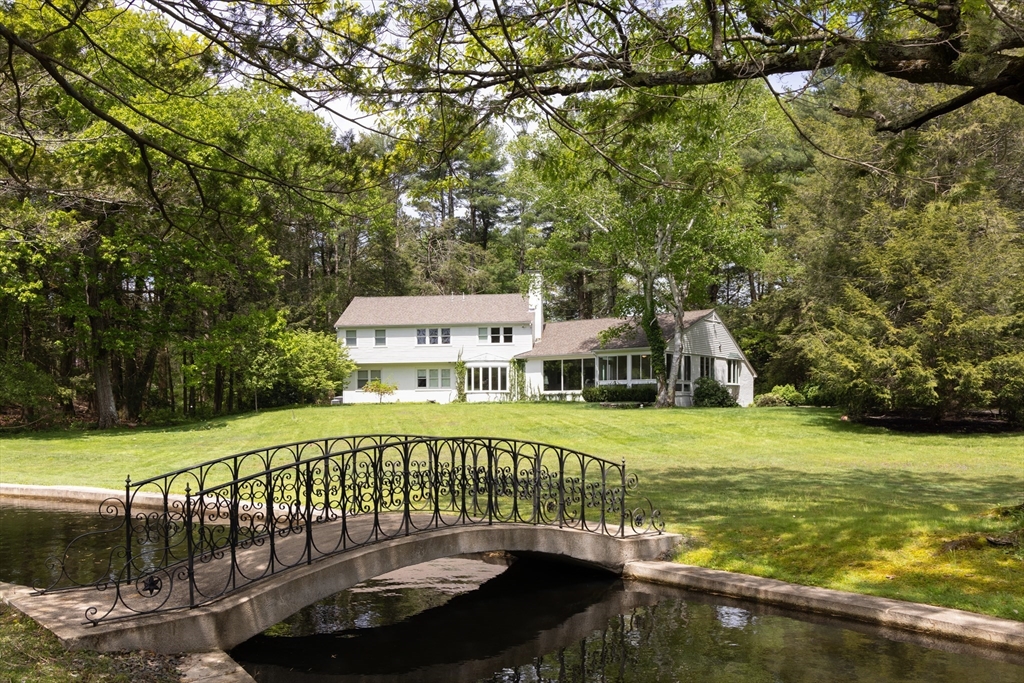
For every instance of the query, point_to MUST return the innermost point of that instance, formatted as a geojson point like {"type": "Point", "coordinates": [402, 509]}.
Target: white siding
{"type": "Point", "coordinates": [401, 346]}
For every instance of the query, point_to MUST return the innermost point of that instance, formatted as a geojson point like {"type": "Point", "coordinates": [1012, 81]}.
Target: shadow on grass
{"type": "Point", "coordinates": [829, 418]}
{"type": "Point", "coordinates": [827, 528]}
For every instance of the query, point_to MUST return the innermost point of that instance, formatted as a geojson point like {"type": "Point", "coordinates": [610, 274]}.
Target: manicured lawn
{"type": "Point", "coordinates": [794, 494]}
{"type": "Point", "coordinates": [28, 652]}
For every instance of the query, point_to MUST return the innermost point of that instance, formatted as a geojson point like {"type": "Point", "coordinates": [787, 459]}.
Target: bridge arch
{"type": "Point", "coordinates": [245, 613]}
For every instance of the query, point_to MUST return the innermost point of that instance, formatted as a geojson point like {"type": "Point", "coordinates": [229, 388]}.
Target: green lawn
{"type": "Point", "coordinates": [794, 494]}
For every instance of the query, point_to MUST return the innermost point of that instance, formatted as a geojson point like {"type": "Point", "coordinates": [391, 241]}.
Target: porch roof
{"type": "Point", "coordinates": [581, 337]}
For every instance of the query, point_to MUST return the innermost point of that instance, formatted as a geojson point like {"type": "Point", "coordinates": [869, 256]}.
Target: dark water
{"type": "Point", "coordinates": [29, 535]}
{"type": "Point", "coordinates": [548, 622]}
{"type": "Point", "coordinates": [464, 620]}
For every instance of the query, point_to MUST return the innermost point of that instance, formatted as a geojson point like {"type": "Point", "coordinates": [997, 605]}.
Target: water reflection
{"type": "Point", "coordinates": [541, 622]}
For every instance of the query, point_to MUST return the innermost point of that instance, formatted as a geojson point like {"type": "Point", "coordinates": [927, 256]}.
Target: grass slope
{"type": "Point", "coordinates": [794, 494]}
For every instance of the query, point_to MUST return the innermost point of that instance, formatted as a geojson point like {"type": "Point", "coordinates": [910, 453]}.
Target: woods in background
{"type": "Point", "coordinates": [879, 272]}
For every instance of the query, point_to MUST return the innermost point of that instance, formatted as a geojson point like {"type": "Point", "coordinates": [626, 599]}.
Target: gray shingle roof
{"type": "Point", "coordinates": [457, 309]}
{"type": "Point", "coordinates": [578, 337]}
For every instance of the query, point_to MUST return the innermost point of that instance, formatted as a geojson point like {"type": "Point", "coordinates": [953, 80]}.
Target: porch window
{"type": "Point", "coordinates": [641, 366]}
{"type": "Point", "coordinates": [613, 368]}
{"type": "Point", "coordinates": [565, 375]}
{"type": "Point", "coordinates": [707, 366]}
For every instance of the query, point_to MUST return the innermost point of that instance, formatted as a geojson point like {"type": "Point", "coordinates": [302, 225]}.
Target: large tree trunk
{"type": "Point", "coordinates": [106, 408]}
{"type": "Point", "coordinates": [135, 381]}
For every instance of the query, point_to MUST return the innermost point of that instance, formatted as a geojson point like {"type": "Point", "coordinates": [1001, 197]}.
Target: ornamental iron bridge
{"type": "Point", "coordinates": [249, 516]}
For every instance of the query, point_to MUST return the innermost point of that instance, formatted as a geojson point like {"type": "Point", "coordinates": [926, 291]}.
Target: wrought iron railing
{"type": "Point", "coordinates": [191, 536]}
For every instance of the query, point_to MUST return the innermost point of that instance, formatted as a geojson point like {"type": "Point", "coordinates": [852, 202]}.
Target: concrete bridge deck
{"type": "Point", "coordinates": [249, 610]}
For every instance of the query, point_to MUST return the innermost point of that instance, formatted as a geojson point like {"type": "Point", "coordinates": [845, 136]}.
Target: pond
{"type": "Point", "coordinates": [497, 619]}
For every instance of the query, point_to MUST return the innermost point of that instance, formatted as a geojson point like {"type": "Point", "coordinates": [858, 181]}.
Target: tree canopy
{"type": "Point", "coordinates": [461, 64]}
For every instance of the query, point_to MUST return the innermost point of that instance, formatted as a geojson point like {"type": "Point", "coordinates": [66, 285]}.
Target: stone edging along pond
{"type": "Point", "coordinates": [943, 622]}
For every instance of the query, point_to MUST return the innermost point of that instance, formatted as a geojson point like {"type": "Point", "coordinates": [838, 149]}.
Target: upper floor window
{"type": "Point", "coordinates": [350, 337]}
{"type": "Point", "coordinates": [494, 335]}
{"type": "Point", "coordinates": [734, 372]}
{"type": "Point", "coordinates": [434, 335]}
{"type": "Point", "coordinates": [380, 337]}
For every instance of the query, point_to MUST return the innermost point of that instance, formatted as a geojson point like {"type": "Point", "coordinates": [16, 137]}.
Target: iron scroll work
{"type": "Point", "coordinates": [289, 505]}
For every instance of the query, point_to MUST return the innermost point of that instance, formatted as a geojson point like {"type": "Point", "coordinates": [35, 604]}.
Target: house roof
{"type": "Point", "coordinates": [578, 337]}
{"type": "Point", "coordinates": [455, 309]}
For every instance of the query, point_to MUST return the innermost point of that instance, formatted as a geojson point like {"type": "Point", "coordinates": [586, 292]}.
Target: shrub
{"type": "Point", "coordinates": [382, 389]}
{"type": "Point", "coordinates": [615, 393]}
{"type": "Point", "coordinates": [709, 393]}
{"type": "Point", "coordinates": [769, 401]}
{"type": "Point", "coordinates": [789, 394]}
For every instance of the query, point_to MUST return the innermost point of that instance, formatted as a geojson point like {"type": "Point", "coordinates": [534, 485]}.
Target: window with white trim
{"type": "Point", "coordinates": [491, 378]}
{"type": "Point", "coordinates": [566, 375]}
{"type": "Point", "coordinates": [350, 337]}
{"type": "Point", "coordinates": [434, 378]}
{"type": "Point", "coordinates": [494, 335]}
{"type": "Point", "coordinates": [380, 337]}
{"type": "Point", "coordinates": [612, 368]}
{"type": "Point", "coordinates": [434, 335]}
{"type": "Point", "coordinates": [734, 372]}
{"type": "Point", "coordinates": [365, 376]}
{"type": "Point", "coordinates": [640, 366]}
{"type": "Point", "coordinates": [707, 366]}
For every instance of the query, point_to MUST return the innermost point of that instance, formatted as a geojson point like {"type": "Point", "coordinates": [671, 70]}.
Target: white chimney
{"type": "Point", "coordinates": [536, 303]}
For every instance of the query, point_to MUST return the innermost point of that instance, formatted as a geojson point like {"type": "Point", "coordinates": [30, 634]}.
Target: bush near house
{"type": "Point", "coordinates": [620, 394]}
{"type": "Point", "coordinates": [781, 395]}
{"type": "Point", "coordinates": [769, 400]}
{"type": "Point", "coordinates": [710, 393]}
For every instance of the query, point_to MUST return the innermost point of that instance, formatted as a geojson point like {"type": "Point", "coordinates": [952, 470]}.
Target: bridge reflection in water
{"type": "Point", "coordinates": [549, 622]}
{"type": "Point", "coordinates": [533, 608]}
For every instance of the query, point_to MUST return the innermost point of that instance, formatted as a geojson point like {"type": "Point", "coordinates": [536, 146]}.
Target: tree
{"type": "Point", "coordinates": [903, 290]}
{"type": "Point", "coordinates": [672, 239]}
{"type": "Point", "coordinates": [382, 389]}
{"type": "Point", "coordinates": [464, 63]}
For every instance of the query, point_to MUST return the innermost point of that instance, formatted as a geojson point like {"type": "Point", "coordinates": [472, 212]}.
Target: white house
{"type": "Point", "coordinates": [415, 341]}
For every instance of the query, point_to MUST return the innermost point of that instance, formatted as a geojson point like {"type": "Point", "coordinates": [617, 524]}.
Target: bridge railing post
{"type": "Point", "coordinates": [128, 528]}
{"type": "Point", "coordinates": [622, 500]}
{"type": "Point", "coordinates": [233, 529]}
{"type": "Point", "coordinates": [561, 487]}
{"type": "Point", "coordinates": [537, 486]}
{"type": "Point", "coordinates": [270, 519]}
{"type": "Point", "coordinates": [190, 544]}
{"type": "Point", "coordinates": [378, 492]}
{"type": "Point", "coordinates": [406, 484]}
{"type": "Point", "coordinates": [308, 516]}
{"type": "Point", "coordinates": [490, 482]}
